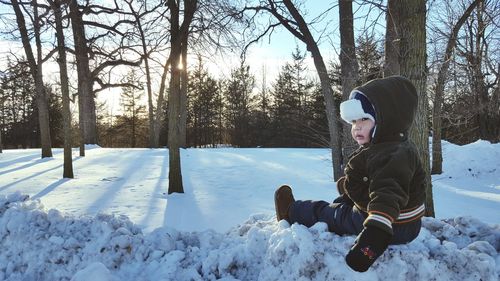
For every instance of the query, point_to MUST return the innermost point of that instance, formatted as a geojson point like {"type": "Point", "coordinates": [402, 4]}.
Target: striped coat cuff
{"type": "Point", "coordinates": [411, 215]}
{"type": "Point", "coordinates": [384, 221]}
{"type": "Point", "coordinates": [379, 220]}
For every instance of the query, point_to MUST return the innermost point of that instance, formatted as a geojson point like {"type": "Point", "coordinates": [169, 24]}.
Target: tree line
{"type": "Point", "coordinates": [238, 111]}
{"type": "Point", "coordinates": [449, 51]}
{"type": "Point", "coordinates": [233, 111]}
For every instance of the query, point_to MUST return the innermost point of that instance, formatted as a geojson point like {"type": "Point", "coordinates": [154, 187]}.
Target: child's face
{"type": "Point", "coordinates": [360, 130]}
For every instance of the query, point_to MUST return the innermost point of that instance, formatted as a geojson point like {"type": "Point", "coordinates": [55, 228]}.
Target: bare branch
{"type": "Point", "coordinates": [104, 86]}
{"type": "Point", "coordinates": [114, 63]}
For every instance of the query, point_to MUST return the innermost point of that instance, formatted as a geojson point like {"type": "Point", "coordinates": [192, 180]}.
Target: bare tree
{"type": "Point", "coordinates": [148, 44]}
{"type": "Point", "coordinates": [106, 49]}
{"type": "Point", "coordinates": [479, 44]}
{"type": "Point", "coordinates": [349, 67]}
{"type": "Point", "coordinates": [178, 36]}
{"type": "Point", "coordinates": [63, 74]}
{"type": "Point", "coordinates": [410, 22]}
{"type": "Point", "coordinates": [392, 55]}
{"type": "Point", "coordinates": [437, 157]}
{"type": "Point", "coordinates": [86, 106]}
{"type": "Point", "coordinates": [289, 17]}
{"type": "Point", "coordinates": [160, 103]}
{"type": "Point", "coordinates": [36, 71]}
{"type": "Point", "coordinates": [494, 104]}
{"type": "Point", "coordinates": [212, 29]}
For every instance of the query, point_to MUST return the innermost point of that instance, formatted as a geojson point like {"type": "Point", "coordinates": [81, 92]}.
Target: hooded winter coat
{"type": "Point", "coordinates": [385, 178]}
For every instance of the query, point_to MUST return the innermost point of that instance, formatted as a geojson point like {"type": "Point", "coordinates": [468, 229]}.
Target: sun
{"type": "Point", "coordinates": [180, 66]}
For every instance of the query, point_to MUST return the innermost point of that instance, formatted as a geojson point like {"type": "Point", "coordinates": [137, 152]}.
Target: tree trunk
{"type": "Point", "coordinates": [152, 143]}
{"type": "Point", "coordinates": [150, 101]}
{"type": "Point", "coordinates": [86, 102]}
{"type": "Point", "coordinates": [150, 106]}
{"type": "Point", "coordinates": [349, 69]}
{"type": "Point", "coordinates": [175, 173]}
{"type": "Point", "coordinates": [160, 110]}
{"type": "Point", "coordinates": [1, 123]}
{"type": "Point", "coordinates": [178, 35]}
{"type": "Point", "coordinates": [391, 61]}
{"type": "Point", "coordinates": [184, 86]}
{"type": "Point", "coordinates": [133, 140]}
{"type": "Point", "coordinates": [413, 65]}
{"type": "Point", "coordinates": [437, 157]}
{"type": "Point", "coordinates": [482, 97]}
{"type": "Point", "coordinates": [1, 143]}
{"type": "Point", "coordinates": [494, 109]}
{"type": "Point", "coordinates": [478, 78]}
{"type": "Point", "coordinates": [331, 108]}
{"type": "Point", "coordinates": [36, 72]}
{"type": "Point", "coordinates": [63, 74]}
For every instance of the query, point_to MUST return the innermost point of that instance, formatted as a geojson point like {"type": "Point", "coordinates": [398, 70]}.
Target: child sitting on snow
{"type": "Point", "coordinates": [382, 194]}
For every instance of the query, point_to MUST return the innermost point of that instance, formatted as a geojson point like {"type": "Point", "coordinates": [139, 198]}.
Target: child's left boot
{"type": "Point", "coordinates": [283, 199]}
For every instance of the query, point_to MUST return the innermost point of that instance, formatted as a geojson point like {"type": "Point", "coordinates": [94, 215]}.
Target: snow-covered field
{"type": "Point", "coordinates": [114, 221]}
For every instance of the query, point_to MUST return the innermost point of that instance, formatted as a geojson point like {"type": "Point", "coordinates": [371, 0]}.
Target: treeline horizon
{"type": "Point", "coordinates": [239, 111]}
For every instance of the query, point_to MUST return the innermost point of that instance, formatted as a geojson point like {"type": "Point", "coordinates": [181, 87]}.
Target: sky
{"type": "Point", "coordinates": [114, 220]}
{"type": "Point", "coordinates": [276, 50]}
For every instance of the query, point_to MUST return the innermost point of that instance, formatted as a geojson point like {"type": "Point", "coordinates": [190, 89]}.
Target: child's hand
{"type": "Point", "coordinates": [369, 245]}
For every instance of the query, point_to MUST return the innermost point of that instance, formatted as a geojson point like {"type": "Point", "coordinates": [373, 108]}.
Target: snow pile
{"type": "Point", "coordinates": [469, 185]}
{"type": "Point", "coordinates": [47, 245]}
{"type": "Point", "coordinates": [477, 160]}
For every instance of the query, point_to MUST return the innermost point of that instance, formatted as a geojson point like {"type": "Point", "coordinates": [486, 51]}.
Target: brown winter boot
{"type": "Point", "coordinates": [283, 199]}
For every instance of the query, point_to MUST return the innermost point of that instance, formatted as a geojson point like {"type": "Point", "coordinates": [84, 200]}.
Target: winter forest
{"type": "Point", "coordinates": [181, 75]}
{"type": "Point", "coordinates": [156, 54]}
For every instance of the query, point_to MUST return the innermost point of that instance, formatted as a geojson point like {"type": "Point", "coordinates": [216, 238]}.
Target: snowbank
{"type": "Point", "coordinates": [474, 160]}
{"type": "Point", "coordinates": [47, 245]}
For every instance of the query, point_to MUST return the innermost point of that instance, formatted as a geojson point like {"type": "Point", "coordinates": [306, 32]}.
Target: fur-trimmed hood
{"type": "Point", "coordinates": [395, 101]}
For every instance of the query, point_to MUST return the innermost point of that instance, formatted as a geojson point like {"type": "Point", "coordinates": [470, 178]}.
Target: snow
{"type": "Point", "coordinates": [115, 222]}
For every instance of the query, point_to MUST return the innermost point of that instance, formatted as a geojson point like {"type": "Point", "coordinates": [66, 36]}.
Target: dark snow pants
{"type": "Point", "coordinates": [343, 217]}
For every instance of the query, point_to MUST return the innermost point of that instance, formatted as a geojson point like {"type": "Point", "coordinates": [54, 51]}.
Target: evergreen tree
{"type": "Point", "coordinates": [283, 109]}
{"type": "Point", "coordinates": [19, 107]}
{"type": "Point", "coordinates": [133, 110]}
{"type": "Point", "coordinates": [369, 58]}
{"type": "Point", "coordinates": [203, 105]}
{"type": "Point", "coordinates": [238, 105]}
{"type": "Point", "coordinates": [318, 126]}
{"type": "Point", "coordinates": [55, 117]}
{"type": "Point", "coordinates": [303, 87]}
{"type": "Point", "coordinates": [292, 101]}
{"type": "Point", "coordinates": [105, 127]}
{"type": "Point", "coordinates": [261, 115]}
